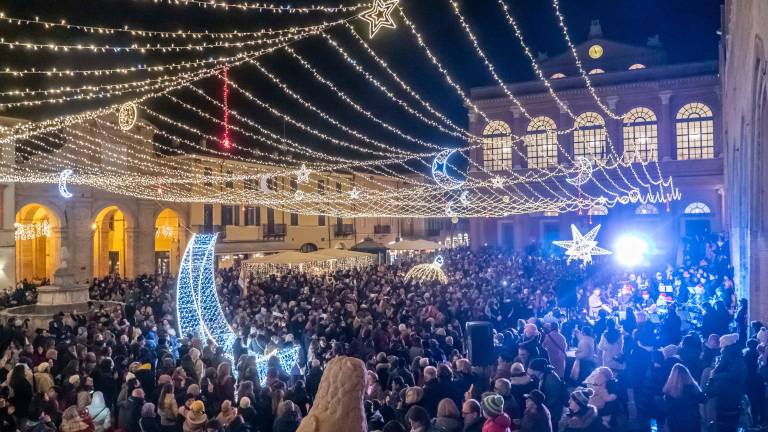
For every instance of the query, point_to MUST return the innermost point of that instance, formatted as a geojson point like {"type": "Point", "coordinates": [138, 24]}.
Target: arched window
{"type": "Point", "coordinates": [694, 124]}
{"type": "Point", "coordinates": [589, 137]}
{"type": "Point", "coordinates": [207, 173]}
{"type": "Point", "coordinates": [229, 184]}
{"type": "Point", "coordinates": [697, 208]}
{"type": "Point", "coordinates": [641, 135]}
{"type": "Point", "coordinates": [497, 146]}
{"type": "Point", "coordinates": [596, 71]}
{"type": "Point", "coordinates": [637, 66]}
{"type": "Point", "coordinates": [557, 75]}
{"type": "Point", "coordinates": [646, 209]}
{"type": "Point", "coordinates": [598, 210]}
{"type": "Point", "coordinates": [541, 142]}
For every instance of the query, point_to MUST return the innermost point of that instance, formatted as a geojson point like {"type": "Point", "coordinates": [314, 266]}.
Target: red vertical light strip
{"type": "Point", "coordinates": [226, 141]}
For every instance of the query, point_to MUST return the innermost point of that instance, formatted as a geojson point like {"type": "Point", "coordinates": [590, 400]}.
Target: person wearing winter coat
{"type": "Point", "coordinates": [612, 347]}
{"type": "Point", "coordinates": [536, 416]}
{"type": "Point", "coordinates": [167, 408]}
{"type": "Point", "coordinates": [227, 413]}
{"type": "Point", "coordinates": [148, 421]}
{"type": "Point", "coordinates": [72, 421]}
{"type": "Point", "coordinates": [288, 417]}
{"type": "Point", "coordinates": [555, 345]}
{"type": "Point", "coordinates": [42, 378]}
{"type": "Point", "coordinates": [194, 417]}
{"type": "Point", "coordinates": [100, 414]}
{"type": "Point", "coordinates": [726, 384]}
{"type": "Point", "coordinates": [473, 416]}
{"type": "Point", "coordinates": [496, 420]}
{"type": "Point", "coordinates": [520, 384]}
{"type": "Point", "coordinates": [130, 410]}
{"type": "Point", "coordinates": [683, 398]}
{"type": "Point", "coordinates": [582, 416]}
{"type": "Point", "coordinates": [448, 417]}
{"type": "Point", "coordinates": [551, 386]}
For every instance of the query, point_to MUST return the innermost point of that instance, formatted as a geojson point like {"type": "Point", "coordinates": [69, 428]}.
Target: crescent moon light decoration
{"type": "Point", "coordinates": [127, 115]}
{"type": "Point", "coordinates": [583, 171]}
{"type": "Point", "coordinates": [439, 173]}
{"type": "Point", "coordinates": [199, 309]}
{"type": "Point", "coordinates": [63, 176]}
{"type": "Point", "coordinates": [464, 197]}
{"type": "Point", "coordinates": [264, 184]}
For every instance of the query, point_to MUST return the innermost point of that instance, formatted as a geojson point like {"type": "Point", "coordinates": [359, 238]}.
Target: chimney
{"type": "Point", "coordinates": [595, 29]}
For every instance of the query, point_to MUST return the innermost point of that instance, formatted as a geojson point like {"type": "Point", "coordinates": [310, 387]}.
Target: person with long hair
{"type": "Point", "coordinates": [21, 390]}
{"type": "Point", "coordinates": [225, 383]}
{"type": "Point", "coordinates": [168, 408]}
{"type": "Point", "coordinates": [683, 397]}
{"type": "Point", "coordinates": [287, 418]}
{"type": "Point", "coordinates": [448, 417]}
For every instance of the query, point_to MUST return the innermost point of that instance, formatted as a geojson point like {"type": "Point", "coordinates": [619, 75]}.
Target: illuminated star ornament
{"type": "Point", "coordinates": [497, 181]}
{"type": "Point", "coordinates": [582, 247]}
{"type": "Point", "coordinates": [302, 175]}
{"type": "Point", "coordinates": [354, 193]}
{"type": "Point", "coordinates": [380, 15]}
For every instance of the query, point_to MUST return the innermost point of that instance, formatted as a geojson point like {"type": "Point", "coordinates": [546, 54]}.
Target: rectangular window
{"type": "Point", "coordinates": [294, 185]}
{"type": "Point", "coordinates": [252, 216]}
{"type": "Point", "coordinates": [270, 219]}
{"type": "Point", "coordinates": [236, 214]}
{"type": "Point", "coordinates": [497, 153]}
{"type": "Point", "coordinates": [294, 218]}
{"type": "Point", "coordinates": [208, 218]}
{"type": "Point", "coordinates": [321, 187]}
{"type": "Point", "coordinates": [229, 184]}
{"type": "Point", "coordinates": [321, 220]}
{"type": "Point", "coordinates": [338, 187]}
{"type": "Point", "coordinates": [227, 217]}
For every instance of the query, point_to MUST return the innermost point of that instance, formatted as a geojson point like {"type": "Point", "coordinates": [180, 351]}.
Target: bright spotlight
{"type": "Point", "coordinates": [630, 250]}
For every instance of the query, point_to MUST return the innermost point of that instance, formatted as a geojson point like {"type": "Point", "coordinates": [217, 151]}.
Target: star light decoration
{"type": "Point", "coordinates": [497, 182]}
{"type": "Point", "coordinates": [354, 193]}
{"type": "Point", "coordinates": [380, 15]}
{"type": "Point", "coordinates": [302, 175]}
{"type": "Point", "coordinates": [582, 247]}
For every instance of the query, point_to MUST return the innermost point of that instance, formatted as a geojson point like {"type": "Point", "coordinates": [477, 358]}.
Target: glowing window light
{"type": "Point", "coordinates": [697, 208]}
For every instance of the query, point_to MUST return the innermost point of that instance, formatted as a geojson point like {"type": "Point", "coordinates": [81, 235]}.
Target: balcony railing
{"type": "Point", "coordinates": [382, 229]}
{"type": "Point", "coordinates": [343, 230]}
{"type": "Point", "coordinates": [273, 231]}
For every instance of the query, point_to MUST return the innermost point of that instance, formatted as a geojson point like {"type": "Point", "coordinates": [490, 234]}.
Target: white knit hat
{"type": "Point", "coordinates": [729, 339]}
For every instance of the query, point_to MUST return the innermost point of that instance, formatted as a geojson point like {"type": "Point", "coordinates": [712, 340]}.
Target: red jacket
{"type": "Point", "coordinates": [500, 423]}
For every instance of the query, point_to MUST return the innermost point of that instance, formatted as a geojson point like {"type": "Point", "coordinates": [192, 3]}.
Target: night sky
{"type": "Point", "coordinates": [688, 31]}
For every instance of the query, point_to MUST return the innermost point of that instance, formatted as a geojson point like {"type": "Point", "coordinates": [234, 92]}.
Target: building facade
{"type": "Point", "coordinates": [671, 114]}
{"type": "Point", "coordinates": [744, 62]}
{"type": "Point", "coordinates": [95, 233]}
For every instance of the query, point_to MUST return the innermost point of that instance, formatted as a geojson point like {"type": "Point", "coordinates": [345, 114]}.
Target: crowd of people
{"type": "Point", "coordinates": [574, 349]}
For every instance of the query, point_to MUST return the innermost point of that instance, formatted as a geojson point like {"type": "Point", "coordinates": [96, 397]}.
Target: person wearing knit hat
{"type": "Point", "coordinates": [493, 410]}
{"type": "Point", "coordinates": [195, 417]}
{"type": "Point", "coordinates": [729, 339]}
{"type": "Point", "coordinates": [582, 415]}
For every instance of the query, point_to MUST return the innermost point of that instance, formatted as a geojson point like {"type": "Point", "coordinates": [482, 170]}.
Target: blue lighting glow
{"type": "Point", "coordinates": [197, 303]}
{"type": "Point", "coordinates": [631, 250]}
{"type": "Point", "coordinates": [287, 358]}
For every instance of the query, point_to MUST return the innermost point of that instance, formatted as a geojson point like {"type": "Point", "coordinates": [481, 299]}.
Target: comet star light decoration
{"type": "Point", "coordinates": [582, 247]}
{"type": "Point", "coordinates": [380, 15]}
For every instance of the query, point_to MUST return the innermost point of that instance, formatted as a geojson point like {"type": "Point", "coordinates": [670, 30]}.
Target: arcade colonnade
{"type": "Point", "coordinates": [92, 234]}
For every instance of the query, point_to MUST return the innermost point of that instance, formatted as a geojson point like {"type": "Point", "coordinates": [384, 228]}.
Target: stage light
{"type": "Point", "coordinates": [631, 250]}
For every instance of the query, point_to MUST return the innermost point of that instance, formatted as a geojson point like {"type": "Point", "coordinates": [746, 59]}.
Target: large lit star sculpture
{"type": "Point", "coordinates": [380, 15]}
{"type": "Point", "coordinates": [582, 247]}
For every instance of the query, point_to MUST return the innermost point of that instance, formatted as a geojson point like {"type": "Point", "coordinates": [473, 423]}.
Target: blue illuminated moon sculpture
{"type": "Point", "coordinates": [199, 310]}
{"type": "Point", "coordinates": [197, 304]}
{"type": "Point", "coordinates": [439, 173]}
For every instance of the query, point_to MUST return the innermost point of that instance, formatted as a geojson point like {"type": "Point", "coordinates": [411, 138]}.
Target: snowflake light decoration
{"type": "Point", "coordinates": [497, 182]}
{"type": "Point", "coordinates": [582, 247]}
{"type": "Point", "coordinates": [127, 115]}
{"type": "Point", "coordinates": [428, 272]}
{"type": "Point", "coordinates": [354, 193]}
{"type": "Point", "coordinates": [380, 15]}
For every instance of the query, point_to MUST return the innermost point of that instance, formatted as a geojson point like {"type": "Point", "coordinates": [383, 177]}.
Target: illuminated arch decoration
{"type": "Point", "coordinates": [697, 208]}
{"type": "Point", "coordinates": [598, 210]}
{"type": "Point", "coordinates": [198, 306]}
{"type": "Point", "coordinates": [428, 272]}
{"type": "Point", "coordinates": [439, 173]}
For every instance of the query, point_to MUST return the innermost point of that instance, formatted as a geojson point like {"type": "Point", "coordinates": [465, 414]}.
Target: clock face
{"type": "Point", "coordinates": [596, 51]}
